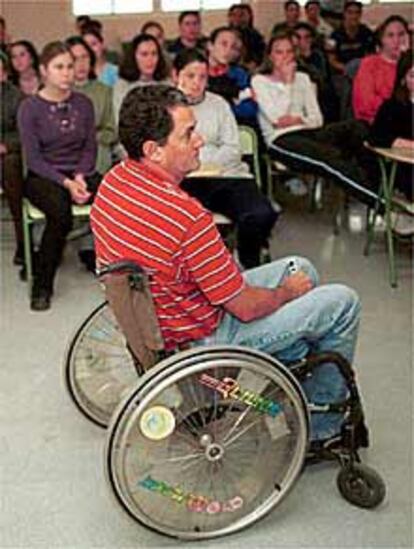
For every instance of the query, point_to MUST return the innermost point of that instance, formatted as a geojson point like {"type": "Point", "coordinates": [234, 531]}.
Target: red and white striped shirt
{"type": "Point", "coordinates": [141, 214]}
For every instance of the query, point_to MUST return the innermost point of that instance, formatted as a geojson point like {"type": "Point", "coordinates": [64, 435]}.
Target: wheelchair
{"type": "Point", "coordinates": [205, 441]}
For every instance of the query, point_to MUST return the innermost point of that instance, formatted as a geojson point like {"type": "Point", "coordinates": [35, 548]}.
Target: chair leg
{"type": "Point", "coordinates": [371, 220]}
{"type": "Point", "coordinates": [388, 223]}
{"type": "Point", "coordinates": [27, 241]}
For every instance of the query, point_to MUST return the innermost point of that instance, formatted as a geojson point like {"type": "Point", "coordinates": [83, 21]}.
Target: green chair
{"type": "Point", "coordinates": [32, 215]}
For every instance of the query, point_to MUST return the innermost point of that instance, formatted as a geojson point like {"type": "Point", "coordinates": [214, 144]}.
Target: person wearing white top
{"type": "Point", "coordinates": [223, 184]}
{"type": "Point", "coordinates": [292, 124]}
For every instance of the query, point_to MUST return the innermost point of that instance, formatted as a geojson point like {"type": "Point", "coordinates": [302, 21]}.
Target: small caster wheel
{"type": "Point", "coordinates": [361, 485]}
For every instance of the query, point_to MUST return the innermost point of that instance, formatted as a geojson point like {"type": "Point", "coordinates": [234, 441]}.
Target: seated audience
{"type": "Point", "coordinates": [228, 80]}
{"type": "Point", "coordinates": [240, 17]}
{"type": "Point", "coordinates": [101, 97]}
{"type": "Point", "coordinates": [393, 127]}
{"type": "Point", "coordinates": [143, 64]}
{"type": "Point", "coordinates": [155, 29]}
{"type": "Point", "coordinates": [353, 39]}
{"type": "Point", "coordinates": [292, 16]}
{"type": "Point", "coordinates": [106, 72]}
{"type": "Point", "coordinates": [200, 296]}
{"type": "Point", "coordinates": [375, 78]}
{"type": "Point", "coordinates": [57, 131]}
{"type": "Point", "coordinates": [313, 17]}
{"type": "Point", "coordinates": [24, 68]}
{"type": "Point", "coordinates": [291, 121]}
{"type": "Point", "coordinates": [10, 153]}
{"type": "Point", "coordinates": [230, 190]}
{"type": "Point", "coordinates": [313, 61]}
{"type": "Point", "coordinates": [189, 25]}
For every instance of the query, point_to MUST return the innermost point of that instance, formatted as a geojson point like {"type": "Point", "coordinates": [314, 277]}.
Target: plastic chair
{"type": "Point", "coordinates": [32, 215]}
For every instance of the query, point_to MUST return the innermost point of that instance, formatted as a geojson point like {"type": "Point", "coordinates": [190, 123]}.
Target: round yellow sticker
{"type": "Point", "coordinates": [157, 423]}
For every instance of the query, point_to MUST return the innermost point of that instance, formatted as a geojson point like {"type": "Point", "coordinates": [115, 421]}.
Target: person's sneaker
{"type": "Point", "coordinates": [402, 224]}
{"type": "Point", "coordinates": [40, 300]}
{"type": "Point", "coordinates": [88, 258]}
{"type": "Point", "coordinates": [296, 187]}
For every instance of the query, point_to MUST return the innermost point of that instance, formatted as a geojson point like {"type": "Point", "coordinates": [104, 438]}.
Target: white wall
{"type": "Point", "coordinates": [44, 20]}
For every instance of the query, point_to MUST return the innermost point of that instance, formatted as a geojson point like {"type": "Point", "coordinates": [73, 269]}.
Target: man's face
{"type": "Point", "coordinates": [292, 14]}
{"type": "Point", "coordinates": [190, 27]}
{"type": "Point", "coordinates": [304, 41]}
{"type": "Point", "coordinates": [180, 155]}
{"type": "Point", "coordinates": [352, 15]}
{"type": "Point", "coordinates": [312, 12]}
{"type": "Point", "coordinates": [222, 51]}
{"type": "Point", "coordinates": [239, 17]}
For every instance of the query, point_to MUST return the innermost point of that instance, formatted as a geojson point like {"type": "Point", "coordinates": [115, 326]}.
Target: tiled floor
{"type": "Point", "coordinates": [53, 492]}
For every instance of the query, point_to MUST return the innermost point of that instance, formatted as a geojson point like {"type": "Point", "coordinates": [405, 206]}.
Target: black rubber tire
{"type": "Point", "coordinates": [361, 485]}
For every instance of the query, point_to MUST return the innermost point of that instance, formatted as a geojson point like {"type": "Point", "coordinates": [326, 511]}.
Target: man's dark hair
{"type": "Point", "coordinates": [187, 56]}
{"type": "Point", "coordinates": [145, 115]}
{"type": "Point", "coordinates": [353, 3]}
{"type": "Point", "coordinates": [302, 25]}
{"type": "Point", "coordinates": [311, 2]}
{"type": "Point", "coordinates": [219, 30]}
{"type": "Point", "coordinates": [290, 3]}
{"type": "Point", "coordinates": [185, 14]}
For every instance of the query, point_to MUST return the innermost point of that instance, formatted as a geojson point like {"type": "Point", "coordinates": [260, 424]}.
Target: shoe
{"type": "Point", "coordinates": [88, 258]}
{"type": "Point", "coordinates": [40, 300]}
{"type": "Point", "coordinates": [402, 224]}
{"type": "Point", "coordinates": [296, 187]}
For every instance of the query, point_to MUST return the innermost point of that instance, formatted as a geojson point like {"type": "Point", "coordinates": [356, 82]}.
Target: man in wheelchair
{"type": "Point", "coordinates": [200, 296]}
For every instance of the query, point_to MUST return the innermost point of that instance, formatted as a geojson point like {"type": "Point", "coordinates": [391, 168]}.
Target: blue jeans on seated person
{"type": "Point", "coordinates": [324, 319]}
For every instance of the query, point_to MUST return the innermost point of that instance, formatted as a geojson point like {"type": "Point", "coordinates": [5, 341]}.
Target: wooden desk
{"type": "Point", "coordinates": [388, 161]}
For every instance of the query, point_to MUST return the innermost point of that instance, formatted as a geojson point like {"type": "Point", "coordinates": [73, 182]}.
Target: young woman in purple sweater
{"type": "Point", "coordinates": [57, 131]}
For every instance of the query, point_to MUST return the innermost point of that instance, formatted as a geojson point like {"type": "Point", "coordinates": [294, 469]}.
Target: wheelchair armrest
{"type": "Point", "coordinates": [127, 266]}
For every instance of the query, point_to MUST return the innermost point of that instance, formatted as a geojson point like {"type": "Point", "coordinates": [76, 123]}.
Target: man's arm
{"type": "Point", "coordinates": [253, 302]}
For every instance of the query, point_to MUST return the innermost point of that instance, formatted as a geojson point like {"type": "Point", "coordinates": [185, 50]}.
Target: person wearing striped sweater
{"type": "Point", "coordinates": [140, 214]}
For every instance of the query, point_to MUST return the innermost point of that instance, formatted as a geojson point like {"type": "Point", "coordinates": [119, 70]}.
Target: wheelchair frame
{"type": "Point", "coordinates": [357, 483]}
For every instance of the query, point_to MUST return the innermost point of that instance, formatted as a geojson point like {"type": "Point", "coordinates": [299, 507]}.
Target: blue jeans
{"type": "Point", "coordinates": [324, 319]}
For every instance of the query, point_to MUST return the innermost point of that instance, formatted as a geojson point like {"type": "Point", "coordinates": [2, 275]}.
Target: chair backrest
{"type": "Point", "coordinates": [127, 291]}
{"type": "Point", "coordinates": [249, 147]}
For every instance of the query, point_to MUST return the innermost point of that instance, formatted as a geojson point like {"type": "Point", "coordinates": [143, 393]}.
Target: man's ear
{"type": "Point", "coordinates": [152, 151]}
{"type": "Point", "coordinates": [174, 76]}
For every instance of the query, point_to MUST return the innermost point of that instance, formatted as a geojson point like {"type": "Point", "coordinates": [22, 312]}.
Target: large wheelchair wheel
{"type": "Point", "coordinates": [99, 369]}
{"type": "Point", "coordinates": [208, 442]}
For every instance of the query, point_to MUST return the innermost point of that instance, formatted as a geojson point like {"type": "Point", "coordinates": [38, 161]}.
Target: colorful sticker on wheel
{"type": "Point", "coordinates": [230, 388]}
{"type": "Point", "coordinates": [193, 502]}
{"type": "Point", "coordinates": [157, 423]}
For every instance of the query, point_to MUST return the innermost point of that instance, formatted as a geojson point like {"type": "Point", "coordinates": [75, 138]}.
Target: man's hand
{"type": "Point", "coordinates": [255, 302]}
{"type": "Point", "coordinates": [78, 190]}
{"type": "Point", "coordinates": [3, 148]}
{"type": "Point", "coordinates": [296, 285]}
